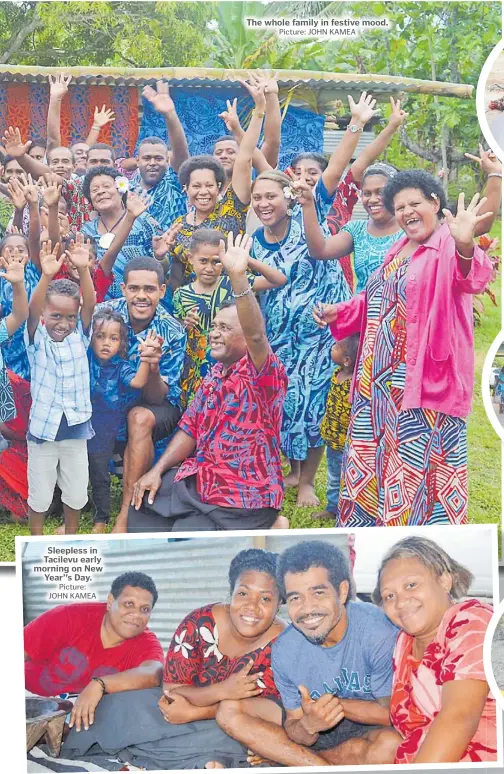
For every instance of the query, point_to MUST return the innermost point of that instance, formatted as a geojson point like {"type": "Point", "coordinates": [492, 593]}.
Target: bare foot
{"type": "Point", "coordinates": [99, 528]}
{"type": "Point", "coordinates": [281, 522]}
{"type": "Point", "coordinates": [120, 527]}
{"type": "Point", "coordinates": [322, 515]}
{"type": "Point", "coordinates": [306, 496]}
{"type": "Point", "coordinates": [214, 765]}
{"type": "Point", "coordinates": [60, 530]}
{"type": "Point", "coordinates": [291, 480]}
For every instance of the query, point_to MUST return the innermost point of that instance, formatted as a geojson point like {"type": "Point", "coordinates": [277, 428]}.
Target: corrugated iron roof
{"type": "Point", "coordinates": [330, 84]}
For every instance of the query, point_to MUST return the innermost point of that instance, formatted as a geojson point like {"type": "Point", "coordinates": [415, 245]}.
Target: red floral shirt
{"type": "Point", "coordinates": [194, 657]}
{"type": "Point", "coordinates": [345, 199]}
{"type": "Point", "coordinates": [455, 654]}
{"type": "Point", "coordinates": [78, 207]}
{"type": "Point", "coordinates": [235, 420]}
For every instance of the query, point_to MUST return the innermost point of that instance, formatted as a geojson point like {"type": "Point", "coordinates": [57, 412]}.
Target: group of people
{"type": "Point", "coordinates": [186, 297]}
{"type": "Point", "coordinates": [345, 682]}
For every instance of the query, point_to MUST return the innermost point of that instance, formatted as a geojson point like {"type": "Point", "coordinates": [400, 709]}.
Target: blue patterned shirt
{"type": "Point", "coordinates": [169, 201]}
{"type": "Point", "coordinates": [111, 395]}
{"type": "Point", "coordinates": [14, 352]}
{"type": "Point", "coordinates": [138, 243]}
{"type": "Point", "coordinates": [173, 347]}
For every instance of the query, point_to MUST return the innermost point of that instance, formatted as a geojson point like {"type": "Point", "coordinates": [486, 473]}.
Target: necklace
{"type": "Point", "coordinates": [106, 239]}
{"type": "Point", "coordinates": [277, 240]}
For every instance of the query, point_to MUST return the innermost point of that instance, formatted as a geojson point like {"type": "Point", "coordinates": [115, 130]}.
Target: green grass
{"type": "Point", "coordinates": [484, 458]}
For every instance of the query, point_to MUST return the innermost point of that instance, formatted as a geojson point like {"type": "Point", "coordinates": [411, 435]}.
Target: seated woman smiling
{"type": "Point", "coordinates": [219, 651]}
{"type": "Point", "coordinates": [440, 703]}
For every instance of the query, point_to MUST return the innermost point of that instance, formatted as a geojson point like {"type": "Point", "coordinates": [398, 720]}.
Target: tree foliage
{"type": "Point", "coordinates": [138, 34]}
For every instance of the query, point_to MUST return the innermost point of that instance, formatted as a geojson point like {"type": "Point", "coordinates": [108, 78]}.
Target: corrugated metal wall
{"type": "Point", "coordinates": [332, 139]}
{"type": "Point", "coordinates": [187, 573]}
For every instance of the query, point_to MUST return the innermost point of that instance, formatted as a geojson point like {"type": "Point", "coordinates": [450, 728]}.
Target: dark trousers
{"type": "Point", "coordinates": [99, 477]}
{"type": "Point", "coordinates": [178, 508]}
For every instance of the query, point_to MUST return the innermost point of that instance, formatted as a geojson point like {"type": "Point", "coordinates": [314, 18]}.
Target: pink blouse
{"type": "Point", "coordinates": [439, 323]}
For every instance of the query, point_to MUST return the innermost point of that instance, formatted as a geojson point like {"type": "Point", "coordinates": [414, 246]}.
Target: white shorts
{"type": "Point", "coordinates": [57, 462]}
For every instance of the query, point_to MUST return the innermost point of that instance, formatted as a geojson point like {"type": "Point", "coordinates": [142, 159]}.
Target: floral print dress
{"type": "Point", "coordinates": [194, 657]}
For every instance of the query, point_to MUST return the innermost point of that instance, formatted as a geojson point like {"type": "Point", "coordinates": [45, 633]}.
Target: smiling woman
{"type": "Point", "coordinates": [405, 461]}
{"type": "Point", "coordinates": [440, 701]}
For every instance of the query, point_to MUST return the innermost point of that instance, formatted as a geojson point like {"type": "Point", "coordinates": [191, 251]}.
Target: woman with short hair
{"type": "Point", "coordinates": [440, 703]}
{"type": "Point", "coordinates": [405, 460]}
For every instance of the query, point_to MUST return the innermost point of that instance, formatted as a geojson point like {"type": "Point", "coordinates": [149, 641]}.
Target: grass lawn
{"type": "Point", "coordinates": [483, 464]}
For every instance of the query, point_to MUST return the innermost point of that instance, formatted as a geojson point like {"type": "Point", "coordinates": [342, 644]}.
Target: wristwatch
{"type": "Point", "coordinates": [354, 128]}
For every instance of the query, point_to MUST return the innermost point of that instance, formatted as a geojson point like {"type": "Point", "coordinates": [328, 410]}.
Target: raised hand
{"type": "Point", "coordinates": [103, 116]}
{"type": "Point", "coordinates": [320, 714]}
{"type": "Point", "coordinates": [302, 191]}
{"type": "Point", "coordinates": [16, 193]}
{"type": "Point", "coordinates": [269, 81]}
{"type": "Point", "coordinates": [324, 314]}
{"type": "Point", "coordinates": [230, 116]}
{"type": "Point", "coordinates": [192, 319]}
{"type": "Point", "coordinates": [138, 203]}
{"type": "Point", "coordinates": [462, 226]}
{"type": "Point", "coordinates": [50, 190]}
{"type": "Point", "coordinates": [363, 110]}
{"type": "Point", "coordinates": [13, 265]}
{"type": "Point", "coordinates": [30, 189]}
{"type": "Point", "coordinates": [160, 99]}
{"type": "Point", "coordinates": [13, 143]}
{"type": "Point", "coordinates": [487, 160]}
{"type": "Point", "coordinates": [398, 116]}
{"type": "Point", "coordinates": [78, 252]}
{"type": "Point", "coordinates": [255, 88]}
{"type": "Point", "coordinates": [161, 245]}
{"type": "Point", "coordinates": [58, 85]}
{"type": "Point", "coordinates": [49, 261]}
{"type": "Point", "coordinates": [235, 256]}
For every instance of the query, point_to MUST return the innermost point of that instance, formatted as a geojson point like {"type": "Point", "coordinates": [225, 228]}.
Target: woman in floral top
{"type": "Point", "coordinates": [219, 652]}
{"type": "Point", "coordinates": [440, 706]}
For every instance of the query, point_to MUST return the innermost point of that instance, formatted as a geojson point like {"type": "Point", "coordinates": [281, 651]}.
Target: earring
{"type": "Point", "coordinates": [290, 212]}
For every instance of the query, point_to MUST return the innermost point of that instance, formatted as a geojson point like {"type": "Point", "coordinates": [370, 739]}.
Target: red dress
{"type": "Point", "coordinates": [455, 654]}
{"type": "Point", "coordinates": [194, 657]}
{"type": "Point", "coordinates": [345, 199]}
{"type": "Point", "coordinates": [14, 461]}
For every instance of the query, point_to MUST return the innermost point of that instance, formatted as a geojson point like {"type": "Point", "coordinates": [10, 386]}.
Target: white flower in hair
{"type": "Point", "coordinates": [122, 184]}
{"type": "Point", "coordinates": [288, 193]}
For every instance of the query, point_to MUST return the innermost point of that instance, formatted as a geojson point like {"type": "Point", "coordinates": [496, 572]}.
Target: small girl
{"type": "Point", "coordinates": [114, 382]}
{"type": "Point", "coordinates": [336, 419]}
{"type": "Point", "coordinates": [13, 272]}
{"type": "Point", "coordinates": [196, 304]}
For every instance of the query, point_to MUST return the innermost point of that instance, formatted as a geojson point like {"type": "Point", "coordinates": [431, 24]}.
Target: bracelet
{"type": "Point", "coordinates": [495, 174]}
{"type": "Point", "coordinates": [95, 126]}
{"type": "Point", "coordinates": [99, 680]}
{"type": "Point", "coordinates": [464, 257]}
{"type": "Point", "coordinates": [259, 115]}
{"type": "Point", "coordinates": [245, 293]}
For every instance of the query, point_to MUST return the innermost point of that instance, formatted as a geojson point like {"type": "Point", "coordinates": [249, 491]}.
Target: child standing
{"type": "Point", "coordinates": [114, 382]}
{"type": "Point", "coordinates": [60, 416]}
{"type": "Point", "coordinates": [336, 419]}
{"type": "Point", "coordinates": [13, 266]}
{"type": "Point", "coordinates": [196, 304]}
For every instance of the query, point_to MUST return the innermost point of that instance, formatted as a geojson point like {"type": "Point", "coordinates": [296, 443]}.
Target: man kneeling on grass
{"type": "Point", "coordinates": [332, 667]}
{"type": "Point", "coordinates": [228, 441]}
{"type": "Point", "coordinates": [93, 648]}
